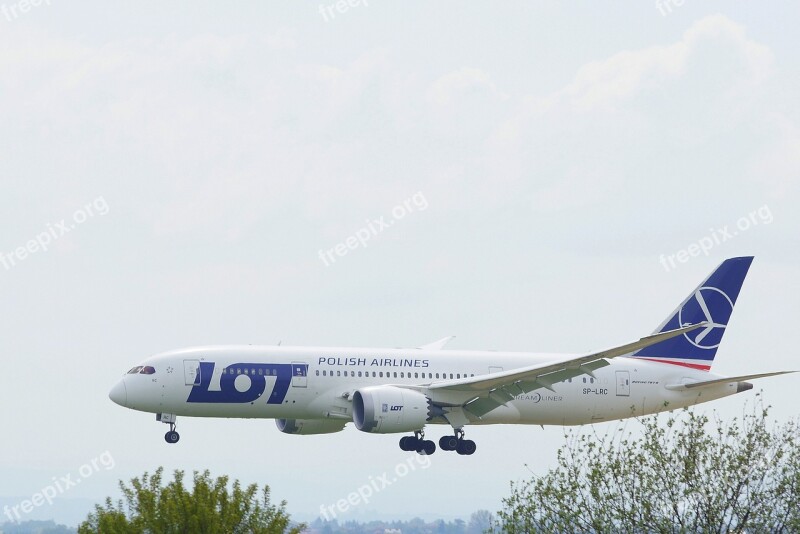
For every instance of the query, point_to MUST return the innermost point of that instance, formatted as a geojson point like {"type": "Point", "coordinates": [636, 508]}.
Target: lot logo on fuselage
{"type": "Point", "coordinates": [244, 382]}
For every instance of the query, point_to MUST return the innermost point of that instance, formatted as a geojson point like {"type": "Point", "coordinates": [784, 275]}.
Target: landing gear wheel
{"type": "Point", "coordinates": [448, 443]}
{"type": "Point", "coordinates": [466, 447]}
{"type": "Point", "coordinates": [417, 443]}
{"type": "Point", "coordinates": [169, 419]}
{"type": "Point", "coordinates": [426, 447]}
{"type": "Point", "coordinates": [408, 443]}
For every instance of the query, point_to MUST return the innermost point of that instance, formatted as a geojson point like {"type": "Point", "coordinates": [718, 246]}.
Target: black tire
{"type": "Point", "coordinates": [408, 443]}
{"type": "Point", "coordinates": [469, 447]}
{"type": "Point", "coordinates": [172, 437]}
{"type": "Point", "coordinates": [426, 447]}
{"type": "Point", "coordinates": [448, 443]}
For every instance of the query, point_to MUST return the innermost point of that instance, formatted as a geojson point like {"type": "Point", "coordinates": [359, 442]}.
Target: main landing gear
{"type": "Point", "coordinates": [168, 418]}
{"type": "Point", "coordinates": [418, 443]}
{"type": "Point", "coordinates": [456, 442]}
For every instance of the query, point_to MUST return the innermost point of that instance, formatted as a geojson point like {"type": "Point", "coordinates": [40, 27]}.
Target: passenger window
{"type": "Point", "coordinates": [381, 374]}
{"type": "Point", "coordinates": [437, 375]}
{"type": "Point", "coordinates": [451, 376]}
{"type": "Point", "coordinates": [359, 373]}
{"type": "Point", "coordinates": [416, 375]}
{"type": "Point", "coordinates": [338, 373]}
{"type": "Point", "coordinates": [395, 374]}
{"type": "Point", "coordinates": [458, 375]}
{"type": "Point", "coordinates": [317, 372]}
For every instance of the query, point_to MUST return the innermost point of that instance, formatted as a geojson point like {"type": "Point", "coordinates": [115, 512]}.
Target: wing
{"type": "Point", "coordinates": [480, 395]}
{"type": "Point", "coordinates": [436, 345]}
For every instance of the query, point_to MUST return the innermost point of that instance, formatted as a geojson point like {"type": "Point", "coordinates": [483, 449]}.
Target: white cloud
{"type": "Point", "coordinates": [605, 83]}
{"type": "Point", "coordinates": [464, 81]}
{"type": "Point", "coordinates": [589, 138]}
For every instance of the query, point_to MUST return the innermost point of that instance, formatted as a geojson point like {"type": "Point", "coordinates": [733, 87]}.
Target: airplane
{"type": "Point", "coordinates": [319, 390]}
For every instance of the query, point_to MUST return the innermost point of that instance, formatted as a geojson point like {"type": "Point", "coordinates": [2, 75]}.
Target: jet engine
{"type": "Point", "coordinates": [389, 409]}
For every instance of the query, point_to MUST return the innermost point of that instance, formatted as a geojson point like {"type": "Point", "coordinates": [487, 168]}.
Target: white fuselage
{"type": "Point", "coordinates": [318, 383]}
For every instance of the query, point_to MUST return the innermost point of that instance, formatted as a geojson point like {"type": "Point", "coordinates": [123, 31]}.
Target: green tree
{"type": "Point", "coordinates": [686, 475]}
{"type": "Point", "coordinates": [149, 506]}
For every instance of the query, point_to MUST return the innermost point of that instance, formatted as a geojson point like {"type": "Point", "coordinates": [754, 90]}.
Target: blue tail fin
{"type": "Point", "coordinates": [713, 302]}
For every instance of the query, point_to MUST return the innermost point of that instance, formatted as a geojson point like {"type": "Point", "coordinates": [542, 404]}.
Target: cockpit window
{"type": "Point", "coordinates": [142, 370]}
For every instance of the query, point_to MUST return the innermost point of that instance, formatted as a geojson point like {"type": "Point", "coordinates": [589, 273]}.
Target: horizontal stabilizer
{"type": "Point", "coordinates": [727, 380]}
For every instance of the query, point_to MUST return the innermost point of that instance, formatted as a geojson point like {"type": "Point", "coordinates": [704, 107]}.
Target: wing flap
{"type": "Point", "coordinates": [480, 406]}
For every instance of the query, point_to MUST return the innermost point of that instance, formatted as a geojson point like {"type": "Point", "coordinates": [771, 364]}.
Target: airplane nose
{"type": "Point", "coordinates": [119, 393]}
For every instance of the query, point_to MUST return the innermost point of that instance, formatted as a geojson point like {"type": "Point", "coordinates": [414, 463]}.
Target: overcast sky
{"type": "Point", "coordinates": [202, 155]}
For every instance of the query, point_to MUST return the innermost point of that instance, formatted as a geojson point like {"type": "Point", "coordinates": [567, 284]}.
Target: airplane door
{"type": "Point", "coordinates": [191, 372]}
{"type": "Point", "coordinates": [299, 375]}
{"type": "Point", "coordinates": [623, 384]}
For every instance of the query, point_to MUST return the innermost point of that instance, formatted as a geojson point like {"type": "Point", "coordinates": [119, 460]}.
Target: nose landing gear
{"type": "Point", "coordinates": [172, 436]}
{"type": "Point", "coordinates": [168, 418]}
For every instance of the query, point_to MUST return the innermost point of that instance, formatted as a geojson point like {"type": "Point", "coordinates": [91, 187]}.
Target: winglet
{"type": "Point", "coordinates": [437, 345]}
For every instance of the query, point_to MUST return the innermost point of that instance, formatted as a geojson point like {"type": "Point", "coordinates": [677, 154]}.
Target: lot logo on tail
{"type": "Point", "coordinates": [699, 306]}
{"type": "Point", "coordinates": [712, 303]}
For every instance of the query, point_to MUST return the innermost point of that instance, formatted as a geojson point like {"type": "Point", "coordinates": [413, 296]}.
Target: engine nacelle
{"type": "Point", "coordinates": [306, 427]}
{"type": "Point", "coordinates": [388, 409]}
